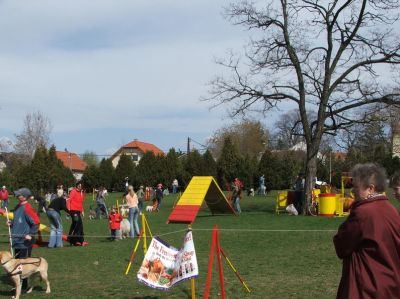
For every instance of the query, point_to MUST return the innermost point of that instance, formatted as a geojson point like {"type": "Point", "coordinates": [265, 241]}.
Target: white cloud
{"type": "Point", "coordinates": [137, 65]}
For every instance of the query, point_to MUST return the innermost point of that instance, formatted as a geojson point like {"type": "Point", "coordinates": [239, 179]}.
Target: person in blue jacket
{"type": "Point", "coordinates": [24, 227]}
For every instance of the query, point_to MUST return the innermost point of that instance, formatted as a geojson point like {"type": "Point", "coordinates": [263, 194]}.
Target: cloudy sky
{"type": "Point", "coordinates": [107, 72]}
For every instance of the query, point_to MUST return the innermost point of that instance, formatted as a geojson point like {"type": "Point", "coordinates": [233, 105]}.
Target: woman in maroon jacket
{"type": "Point", "coordinates": [368, 241]}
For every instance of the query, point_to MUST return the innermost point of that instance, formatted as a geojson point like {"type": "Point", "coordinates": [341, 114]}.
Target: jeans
{"type": "Point", "coordinates": [236, 205]}
{"type": "Point", "coordinates": [158, 203]}
{"type": "Point", "coordinates": [133, 220]}
{"type": "Point", "coordinates": [115, 234]}
{"type": "Point", "coordinates": [101, 207]}
{"type": "Point", "coordinates": [4, 204]}
{"type": "Point", "coordinates": [141, 204]}
{"type": "Point", "coordinates": [56, 229]}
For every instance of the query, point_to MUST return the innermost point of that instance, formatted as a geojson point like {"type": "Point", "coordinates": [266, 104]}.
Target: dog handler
{"type": "Point", "coordinates": [54, 214]}
{"type": "Point", "coordinates": [75, 205]}
{"type": "Point", "coordinates": [24, 227]}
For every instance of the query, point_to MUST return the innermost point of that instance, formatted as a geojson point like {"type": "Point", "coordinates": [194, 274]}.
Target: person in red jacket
{"type": "Point", "coordinates": [4, 197]}
{"type": "Point", "coordinates": [368, 241]}
{"type": "Point", "coordinates": [114, 220]}
{"type": "Point", "coordinates": [75, 206]}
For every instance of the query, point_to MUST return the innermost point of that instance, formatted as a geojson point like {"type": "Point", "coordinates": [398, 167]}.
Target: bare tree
{"type": "Point", "coordinates": [35, 133]}
{"type": "Point", "coordinates": [250, 136]}
{"type": "Point", "coordinates": [325, 56]}
{"type": "Point", "coordinates": [288, 130]}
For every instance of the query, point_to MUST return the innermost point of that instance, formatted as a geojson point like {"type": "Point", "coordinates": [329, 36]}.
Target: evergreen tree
{"type": "Point", "coordinates": [173, 167]}
{"type": "Point", "coordinates": [146, 170]}
{"type": "Point", "coordinates": [124, 169]}
{"type": "Point", "coordinates": [106, 174]}
{"type": "Point", "coordinates": [59, 174]}
{"type": "Point", "coordinates": [91, 177]}
{"type": "Point", "coordinates": [228, 164]}
{"type": "Point", "coordinates": [210, 165]}
{"type": "Point", "coordinates": [247, 171]}
{"type": "Point", "coordinates": [280, 168]}
{"type": "Point", "coordinates": [39, 170]}
{"type": "Point", "coordinates": [7, 179]}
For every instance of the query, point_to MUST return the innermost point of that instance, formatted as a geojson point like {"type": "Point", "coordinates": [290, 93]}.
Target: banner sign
{"type": "Point", "coordinates": [163, 265]}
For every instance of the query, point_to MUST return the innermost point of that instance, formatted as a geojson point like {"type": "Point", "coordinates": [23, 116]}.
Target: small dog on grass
{"type": "Point", "coordinates": [92, 213]}
{"type": "Point", "coordinates": [18, 269]}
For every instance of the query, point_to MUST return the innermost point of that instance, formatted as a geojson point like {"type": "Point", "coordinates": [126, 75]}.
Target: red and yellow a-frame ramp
{"type": "Point", "coordinates": [200, 189]}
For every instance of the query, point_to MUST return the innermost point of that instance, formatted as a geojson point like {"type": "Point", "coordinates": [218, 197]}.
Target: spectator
{"type": "Point", "coordinates": [24, 227]}
{"type": "Point", "coordinates": [114, 221]}
{"type": "Point", "coordinates": [75, 205]}
{"type": "Point", "coordinates": [159, 196]}
{"type": "Point", "coordinates": [4, 197]}
{"type": "Point", "coordinates": [368, 241]}
{"type": "Point", "coordinates": [262, 188]}
{"type": "Point", "coordinates": [175, 186]}
{"type": "Point", "coordinates": [132, 202]}
{"type": "Point", "coordinates": [54, 215]}
{"type": "Point", "coordinates": [236, 195]}
{"type": "Point", "coordinates": [140, 195]}
{"type": "Point", "coordinates": [299, 200]}
{"type": "Point", "coordinates": [101, 203]}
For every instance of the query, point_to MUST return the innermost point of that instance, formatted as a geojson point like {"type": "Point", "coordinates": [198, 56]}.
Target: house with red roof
{"type": "Point", "coordinates": [135, 149]}
{"type": "Point", "coordinates": [73, 162]}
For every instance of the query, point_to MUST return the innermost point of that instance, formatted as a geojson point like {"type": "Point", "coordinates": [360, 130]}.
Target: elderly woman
{"type": "Point", "coordinates": [368, 241]}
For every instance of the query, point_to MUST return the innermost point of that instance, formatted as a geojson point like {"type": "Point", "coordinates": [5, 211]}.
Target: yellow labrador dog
{"type": "Point", "coordinates": [18, 269]}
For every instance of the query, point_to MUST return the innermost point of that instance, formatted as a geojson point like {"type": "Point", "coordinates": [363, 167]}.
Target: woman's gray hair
{"type": "Point", "coordinates": [369, 174]}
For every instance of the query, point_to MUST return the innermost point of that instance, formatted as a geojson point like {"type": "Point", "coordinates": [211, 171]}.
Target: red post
{"type": "Point", "coordinates": [210, 263]}
{"type": "Point", "coordinates": [221, 273]}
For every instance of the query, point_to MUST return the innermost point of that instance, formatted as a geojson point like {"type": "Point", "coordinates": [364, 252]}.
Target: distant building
{"type": "Point", "coordinates": [73, 162]}
{"type": "Point", "coordinates": [135, 149]}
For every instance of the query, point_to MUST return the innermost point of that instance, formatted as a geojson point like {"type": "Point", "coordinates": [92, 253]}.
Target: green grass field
{"type": "Point", "coordinates": [279, 256]}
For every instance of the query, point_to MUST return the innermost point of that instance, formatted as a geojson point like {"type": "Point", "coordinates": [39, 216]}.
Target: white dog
{"type": "Point", "coordinates": [149, 208]}
{"type": "Point", "coordinates": [125, 228]}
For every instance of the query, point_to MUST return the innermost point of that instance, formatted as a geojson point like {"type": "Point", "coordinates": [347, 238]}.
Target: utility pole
{"type": "Point", "coordinates": [188, 146]}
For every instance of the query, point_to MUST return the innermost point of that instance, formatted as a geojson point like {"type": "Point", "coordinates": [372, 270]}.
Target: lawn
{"type": "Point", "coordinates": [279, 256]}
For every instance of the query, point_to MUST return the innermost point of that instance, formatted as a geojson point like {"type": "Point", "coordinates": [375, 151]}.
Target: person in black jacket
{"type": "Point", "coordinates": [54, 214]}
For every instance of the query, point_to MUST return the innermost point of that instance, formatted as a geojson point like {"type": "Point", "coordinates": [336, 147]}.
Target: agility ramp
{"type": "Point", "coordinates": [200, 189]}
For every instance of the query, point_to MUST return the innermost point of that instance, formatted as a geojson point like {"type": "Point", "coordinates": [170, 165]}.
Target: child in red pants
{"type": "Point", "coordinates": [114, 220]}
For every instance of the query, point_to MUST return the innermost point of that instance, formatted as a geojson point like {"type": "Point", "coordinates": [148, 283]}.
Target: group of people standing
{"type": "Point", "coordinates": [25, 223]}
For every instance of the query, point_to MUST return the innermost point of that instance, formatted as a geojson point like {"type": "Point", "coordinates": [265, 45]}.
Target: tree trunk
{"type": "Point", "coordinates": [311, 172]}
